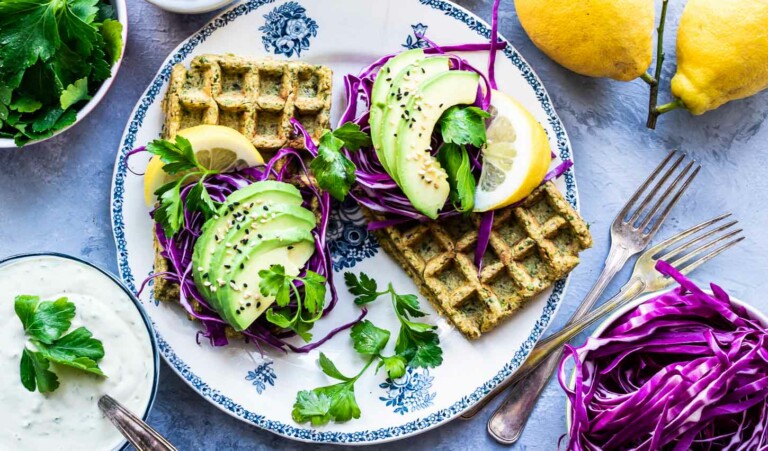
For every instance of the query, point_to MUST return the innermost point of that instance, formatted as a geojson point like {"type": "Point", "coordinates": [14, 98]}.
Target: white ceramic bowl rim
{"type": "Point", "coordinates": [136, 303]}
{"type": "Point", "coordinates": [122, 17]}
{"type": "Point", "coordinates": [191, 6]}
{"type": "Point", "coordinates": [753, 312]}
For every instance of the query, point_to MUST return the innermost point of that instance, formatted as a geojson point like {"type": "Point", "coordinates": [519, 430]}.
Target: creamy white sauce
{"type": "Point", "coordinates": [69, 418]}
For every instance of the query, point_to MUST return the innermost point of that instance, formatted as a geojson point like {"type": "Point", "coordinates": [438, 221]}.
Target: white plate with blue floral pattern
{"type": "Point", "coordinates": [260, 389]}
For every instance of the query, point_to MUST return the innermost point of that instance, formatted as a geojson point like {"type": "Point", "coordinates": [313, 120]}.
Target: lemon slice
{"type": "Point", "coordinates": [516, 157]}
{"type": "Point", "coordinates": [217, 147]}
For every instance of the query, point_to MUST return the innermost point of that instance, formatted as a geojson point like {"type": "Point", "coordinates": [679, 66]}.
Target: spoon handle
{"type": "Point", "coordinates": [138, 433]}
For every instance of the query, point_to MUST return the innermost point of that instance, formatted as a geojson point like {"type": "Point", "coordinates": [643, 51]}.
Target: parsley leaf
{"type": "Point", "coordinates": [77, 349]}
{"type": "Point", "coordinates": [45, 324]}
{"type": "Point", "coordinates": [74, 93]}
{"type": "Point", "coordinates": [369, 339]}
{"type": "Point", "coordinates": [332, 169]}
{"type": "Point", "coordinates": [275, 282]}
{"type": "Point", "coordinates": [178, 156]}
{"type": "Point", "coordinates": [333, 402]}
{"type": "Point", "coordinates": [455, 160]}
{"type": "Point", "coordinates": [334, 172]}
{"type": "Point", "coordinates": [44, 321]}
{"type": "Point", "coordinates": [329, 368]}
{"type": "Point", "coordinates": [180, 160]}
{"type": "Point", "coordinates": [353, 138]}
{"type": "Point", "coordinates": [312, 406]}
{"type": "Point", "coordinates": [464, 125]}
{"type": "Point", "coordinates": [417, 343]}
{"type": "Point", "coordinates": [364, 288]}
{"type": "Point", "coordinates": [394, 366]}
{"type": "Point", "coordinates": [35, 373]}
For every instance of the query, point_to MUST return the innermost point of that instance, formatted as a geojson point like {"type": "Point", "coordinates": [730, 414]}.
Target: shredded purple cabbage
{"type": "Point", "coordinates": [684, 370]}
{"type": "Point", "coordinates": [179, 248]}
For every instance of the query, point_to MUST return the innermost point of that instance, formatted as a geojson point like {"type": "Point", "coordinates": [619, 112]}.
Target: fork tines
{"type": "Point", "coordinates": [670, 183]}
{"type": "Point", "coordinates": [690, 249]}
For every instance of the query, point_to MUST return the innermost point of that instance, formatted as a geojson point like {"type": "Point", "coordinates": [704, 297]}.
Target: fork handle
{"type": "Point", "coordinates": [634, 288]}
{"type": "Point", "coordinates": [508, 421]}
{"type": "Point", "coordinates": [617, 257]}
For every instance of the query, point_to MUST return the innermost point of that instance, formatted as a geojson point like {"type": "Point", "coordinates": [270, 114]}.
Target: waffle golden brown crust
{"type": "Point", "coordinates": [257, 97]}
{"type": "Point", "coordinates": [531, 247]}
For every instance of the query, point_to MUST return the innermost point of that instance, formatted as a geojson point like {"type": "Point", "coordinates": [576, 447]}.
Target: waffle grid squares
{"type": "Point", "coordinates": [256, 97]}
{"type": "Point", "coordinates": [532, 246]}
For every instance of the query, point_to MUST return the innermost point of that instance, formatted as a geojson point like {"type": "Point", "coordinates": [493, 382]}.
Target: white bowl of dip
{"type": "Point", "coordinates": [69, 418]}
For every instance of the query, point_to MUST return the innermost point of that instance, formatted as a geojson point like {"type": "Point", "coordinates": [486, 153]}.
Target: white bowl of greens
{"type": "Point", "coordinates": [56, 64]}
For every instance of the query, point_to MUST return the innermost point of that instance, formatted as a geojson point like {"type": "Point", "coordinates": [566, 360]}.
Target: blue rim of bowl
{"type": "Point", "coordinates": [228, 405]}
{"type": "Point", "coordinates": [136, 303]}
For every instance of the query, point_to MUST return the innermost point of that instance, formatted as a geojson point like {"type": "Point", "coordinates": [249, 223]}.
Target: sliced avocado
{"type": "Point", "coordinates": [236, 203]}
{"type": "Point", "coordinates": [407, 81]}
{"type": "Point", "coordinates": [420, 176]}
{"type": "Point", "coordinates": [253, 228]}
{"type": "Point", "coordinates": [381, 87]}
{"type": "Point", "coordinates": [238, 294]}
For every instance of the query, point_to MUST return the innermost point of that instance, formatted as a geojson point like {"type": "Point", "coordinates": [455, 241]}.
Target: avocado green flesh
{"type": "Point", "coordinates": [215, 229]}
{"type": "Point", "coordinates": [420, 176]}
{"type": "Point", "coordinates": [381, 87]}
{"type": "Point", "coordinates": [228, 250]}
{"type": "Point", "coordinates": [407, 81]}
{"type": "Point", "coordinates": [238, 294]}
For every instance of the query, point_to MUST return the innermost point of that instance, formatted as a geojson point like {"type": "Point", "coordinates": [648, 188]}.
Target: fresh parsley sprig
{"type": "Point", "coordinates": [417, 343]}
{"type": "Point", "coordinates": [180, 160]}
{"type": "Point", "coordinates": [464, 125]}
{"type": "Point", "coordinates": [44, 325]}
{"type": "Point", "coordinates": [337, 402]}
{"type": "Point", "coordinates": [334, 172]}
{"type": "Point", "coordinates": [275, 282]}
{"type": "Point", "coordinates": [461, 126]}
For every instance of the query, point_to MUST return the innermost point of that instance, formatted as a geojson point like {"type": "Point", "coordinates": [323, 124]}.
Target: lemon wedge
{"type": "Point", "coordinates": [516, 157]}
{"type": "Point", "coordinates": [217, 147]}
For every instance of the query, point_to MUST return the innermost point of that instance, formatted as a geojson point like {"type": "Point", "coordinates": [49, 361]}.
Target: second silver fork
{"type": "Point", "coordinates": [631, 231]}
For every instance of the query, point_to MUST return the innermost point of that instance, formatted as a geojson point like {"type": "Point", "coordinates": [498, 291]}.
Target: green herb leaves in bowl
{"type": "Point", "coordinates": [54, 55]}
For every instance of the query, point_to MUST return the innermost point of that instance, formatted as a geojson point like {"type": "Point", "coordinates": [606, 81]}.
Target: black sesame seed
{"type": "Point", "coordinates": [247, 231]}
{"type": "Point", "coordinates": [266, 208]}
{"type": "Point", "coordinates": [242, 266]}
{"type": "Point", "coordinates": [238, 312]}
{"type": "Point", "coordinates": [247, 304]}
{"type": "Point", "coordinates": [205, 275]}
{"type": "Point", "coordinates": [441, 105]}
{"type": "Point", "coordinates": [245, 285]}
{"type": "Point", "coordinates": [228, 266]}
{"type": "Point", "coordinates": [258, 304]}
{"type": "Point", "coordinates": [258, 235]}
{"type": "Point", "coordinates": [389, 79]}
{"type": "Point", "coordinates": [237, 227]}
{"type": "Point", "coordinates": [216, 237]}
{"type": "Point", "coordinates": [423, 71]}
{"type": "Point", "coordinates": [290, 247]}
{"type": "Point", "coordinates": [236, 203]}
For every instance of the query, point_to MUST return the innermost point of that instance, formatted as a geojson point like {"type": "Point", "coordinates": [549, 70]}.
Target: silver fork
{"type": "Point", "coordinates": [682, 253]}
{"type": "Point", "coordinates": [629, 236]}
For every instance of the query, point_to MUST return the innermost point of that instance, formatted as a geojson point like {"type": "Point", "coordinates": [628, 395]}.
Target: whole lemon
{"type": "Point", "coordinates": [598, 38]}
{"type": "Point", "coordinates": [722, 52]}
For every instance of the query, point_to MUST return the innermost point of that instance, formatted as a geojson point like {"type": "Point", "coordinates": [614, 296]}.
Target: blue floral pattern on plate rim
{"type": "Point", "coordinates": [288, 430]}
{"type": "Point", "coordinates": [287, 29]}
{"type": "Point", "coordinates": [410, 392]}
{"type": "Point", "coordinates": [262, 375]}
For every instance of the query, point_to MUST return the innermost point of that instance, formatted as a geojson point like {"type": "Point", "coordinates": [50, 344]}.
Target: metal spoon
{"type": "Point", "coordinates": [138, 433]}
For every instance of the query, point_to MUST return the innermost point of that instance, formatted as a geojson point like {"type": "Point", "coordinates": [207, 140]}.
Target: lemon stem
{"type": "Point", "coordinates": [653, 113]}
{"type": "Point", "coordinates": [667, 107]}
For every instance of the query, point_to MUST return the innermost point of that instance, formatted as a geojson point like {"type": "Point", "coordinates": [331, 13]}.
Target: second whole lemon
{"type": "Point", "coordinates": [597, 38]}
{"type": "Point", "coordinates": [722, 52]}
